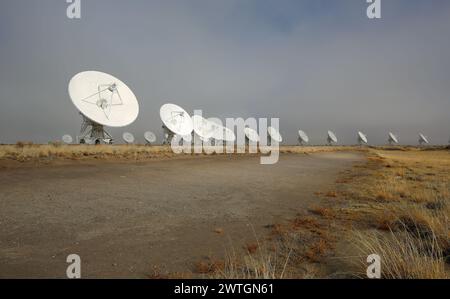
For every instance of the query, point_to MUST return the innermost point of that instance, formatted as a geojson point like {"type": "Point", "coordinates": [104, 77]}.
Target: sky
{"type": "Point", "coordinates": [314, 64]}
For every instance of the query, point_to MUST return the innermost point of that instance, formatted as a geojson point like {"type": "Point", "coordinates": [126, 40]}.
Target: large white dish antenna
{"type": "Point", "coordinates": [251, 134]}
{"type": "Point", "coordinates": [220, 133]}
{"type": "Point", "coordinates": [362, 138]}
{"type": "Point", "coordinates": [128, 138]}
{"type": "Point", "coordinates": [274, 134]}
{"type": "Point", "coordinates": [332, 137]}
{"type": "Point", "coordinates": [423, 139]}
{"type": "Point", "coordinates": [103, 98]}
{"type": "Point", "coordinates": [67, 139]}
{"type": "Point", "coordinates": [176, 119]}
{"type": "Point", "coordinates": [303, 138]}
{"type": "Point", "coordinates": [204, 128]}
{"type": "Point", "coordinates": [392, 138]}
{"type": "Point", "coordinates": [228, 135]}
{"type": "Point", "coordinates": [150, 137]}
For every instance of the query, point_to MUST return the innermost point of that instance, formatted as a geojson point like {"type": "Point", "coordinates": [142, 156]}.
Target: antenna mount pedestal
{"type": "Point", "coordinates": [93, 133]}
{"type": "Point", "coordinates": [168, 135]}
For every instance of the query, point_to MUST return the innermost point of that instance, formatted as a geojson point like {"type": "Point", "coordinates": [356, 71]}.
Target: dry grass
{"type": "Point", "coordinates": [23, 152]}
{"type": "Point", "coordinates": [403, 255]}
{"type": "Point", "coordinates": [323, 211]}
{"type": "Point", "coordinates": [259, 262]}
{"type": "Point", "coordinates": [27, 151]}
{"type": "Point", "coordinates": [404, 196]}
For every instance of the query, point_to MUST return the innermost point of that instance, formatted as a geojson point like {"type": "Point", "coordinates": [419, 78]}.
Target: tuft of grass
{"type": "Point", "coordinates": [332, 194]}
{"type": "Point", "coordinates": [323, 211]}
{"type": "Point", "coordinates": [318, 250]}
{"type": "Point", "coordinates": [252, 248]}
{"type": "Point", "coordinates": [209, 266]}
{"type": "Point", "coordinates": [403, 255]}
{"type": "Point", "coordinates": [263, 264]}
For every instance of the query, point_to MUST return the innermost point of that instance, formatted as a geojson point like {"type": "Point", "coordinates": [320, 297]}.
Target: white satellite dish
{"type": "Point", "coordinates": [67, 139]}
{"type": "Point", "coordinates": [362, 138]}
{"type": "Point", "coordinates": [251, 134]}
{"type": "Point", "coordinates": [392, 138]}
{"type": "Point", "coordinates": [128, 138]}
{"type": "Point", "coordinates": [228, 135]}
{"type": "Point", "coordinates": [204, 128]}
{"type": "Point", "coordinates": [331, 138]}
{"type": "Point", "coordinates": [176, 121]}
{"type": "Point", "coordinates": [274, 135]}
{"type": "Point", "coordinates": [302, 137]}
{"type": "Point", "coordinates": [222, 134]}
{"type": "Point", "coordinates": [423, 139]}
{"type": "Point", "coordinates": [103, 100]}
{"type": "Point", "coordinates": [150, 137]}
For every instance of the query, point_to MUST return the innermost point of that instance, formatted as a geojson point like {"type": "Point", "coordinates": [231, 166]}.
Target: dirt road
{"type": "Point", "coordinates": [124, 219]}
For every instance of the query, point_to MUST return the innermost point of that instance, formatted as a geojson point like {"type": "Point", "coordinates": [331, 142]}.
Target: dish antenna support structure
{"type": "Point", "coordinates": [102, 100]}
{"type": "Point", "coordinates": [92, 132]}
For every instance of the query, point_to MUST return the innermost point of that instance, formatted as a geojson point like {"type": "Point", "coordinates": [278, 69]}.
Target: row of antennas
{"type": "Point", "coordinates": [105, 101]}
{"type": "Point", "coordinates": [128, 138]}
{"type": "Point", "coordinates": [251, 135]}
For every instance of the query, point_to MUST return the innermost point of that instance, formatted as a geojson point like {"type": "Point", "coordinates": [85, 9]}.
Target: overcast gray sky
{"type": "Point", "coordinates": [315, 64]}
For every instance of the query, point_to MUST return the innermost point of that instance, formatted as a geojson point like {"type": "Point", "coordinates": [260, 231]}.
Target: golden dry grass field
{"type": "Point", "coordinates": [26, 151]}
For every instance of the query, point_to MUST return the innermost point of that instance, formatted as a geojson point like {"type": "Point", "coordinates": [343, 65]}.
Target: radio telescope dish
{"type": "Point", "coordinates": [176, 121]}
{"type": "Point", "coordinates": [128, 138]}
{"type": "Point", "coordinates": [331, 138]}
{"type": "Point", "coordinates": [251, 134]}
{"type": "Point", "coordinates": [274, 135]}
{"type": "Point", "coordinates": [392, 138]}
{"type": "Point", "coordinates": [204, 128]}
{"type": "Point", "coordinates": [67, 139]}
{"type": "Point", "coordinates": [223, 134]}
{"type": "Point", "coordinates": [214, 131]}
{"type": "Point", "coordinates": [150, 137]}
{"type": "Point", "coordinates": [362, 138]}
{"type": "Point", "coordinates": [423, 139]}
{"type": "Point", "coordinates": [102, 100]}
{"type": "Point", "coordinates": [302, 137]}
{"type": "Point", "coordinates": [228, 135]}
